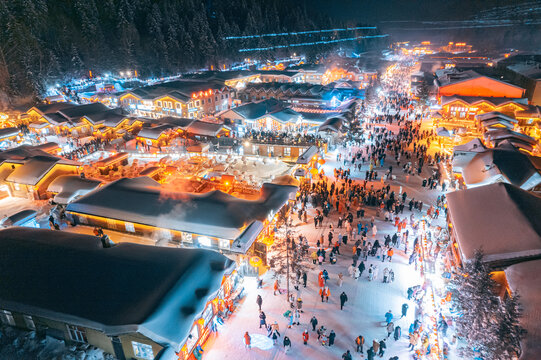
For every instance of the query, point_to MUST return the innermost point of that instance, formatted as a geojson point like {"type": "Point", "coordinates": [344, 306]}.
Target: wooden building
{"type": "Point", "coordinates": [133, 301]}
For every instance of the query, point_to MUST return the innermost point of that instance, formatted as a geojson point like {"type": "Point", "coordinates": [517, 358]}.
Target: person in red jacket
{"type": "Point", "coordinates": [325, 293]}
{"type": "Point", "coordinates": [305, 337]}
{"type": "Point", "coordinates": [247, 340]}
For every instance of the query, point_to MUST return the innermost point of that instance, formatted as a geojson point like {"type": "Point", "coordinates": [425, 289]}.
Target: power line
{"type": "Point", "coordinates": [298, 33]}
{"type": "Point", "coordinates": [313, 43]}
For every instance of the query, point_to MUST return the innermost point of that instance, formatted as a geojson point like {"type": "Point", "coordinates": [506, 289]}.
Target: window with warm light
{"type": "Point", "coordinates": [204, 241]}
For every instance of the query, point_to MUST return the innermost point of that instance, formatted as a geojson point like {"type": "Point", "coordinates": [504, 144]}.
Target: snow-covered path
{"type": "Point", "coordinates": [364, 312]}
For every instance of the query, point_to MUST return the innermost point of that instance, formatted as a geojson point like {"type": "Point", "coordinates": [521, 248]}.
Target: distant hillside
{"type": "Point", "coordinates": [46, 40]}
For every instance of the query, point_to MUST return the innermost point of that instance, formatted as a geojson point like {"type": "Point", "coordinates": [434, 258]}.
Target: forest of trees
{"type": "Point", "coordinates": [44, 41]}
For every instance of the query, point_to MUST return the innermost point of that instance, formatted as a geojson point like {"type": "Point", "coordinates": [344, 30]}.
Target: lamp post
{"type": "Point", "coordinates": [288, 240]}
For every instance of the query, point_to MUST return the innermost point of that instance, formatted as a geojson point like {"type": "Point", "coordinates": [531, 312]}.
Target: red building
{"type": "Point", "coordinates": [471, 83]}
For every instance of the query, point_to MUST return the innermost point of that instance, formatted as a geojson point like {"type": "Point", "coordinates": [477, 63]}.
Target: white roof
{"type": "Point", "coordinates": [500, 218]}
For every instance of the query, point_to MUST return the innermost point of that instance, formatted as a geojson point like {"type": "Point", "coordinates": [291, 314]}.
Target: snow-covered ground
{"type": "Point", "coordinates": [368, 301]}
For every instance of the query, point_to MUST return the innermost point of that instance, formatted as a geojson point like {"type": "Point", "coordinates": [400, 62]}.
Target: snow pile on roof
{"type": "Point", "coordinates": [507, 165]}
{"type": "Point", "coordinates": [217, 214]}
{"type": "Point", "coordinates": [68, 187]}
{"type": "Point", "coordinates": [473, 145]}
{"type": "Point", "coordinates": [500, 218]}
{"type": "Point", "coordinates": [33, 170]}
{"type": "Point", "coordinates": [524, 278]}
{"type": "Point", "coordinates": [128, 288]}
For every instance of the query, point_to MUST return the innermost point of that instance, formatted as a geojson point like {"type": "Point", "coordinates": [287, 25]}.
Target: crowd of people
{"type": "Point", "coordinates": [79, 151]}
{"type": "Point", "coordinates": [340, 205]}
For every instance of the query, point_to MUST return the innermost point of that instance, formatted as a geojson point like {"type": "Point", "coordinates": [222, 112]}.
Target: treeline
{"type": "Point", "coordinates": [43, 41]}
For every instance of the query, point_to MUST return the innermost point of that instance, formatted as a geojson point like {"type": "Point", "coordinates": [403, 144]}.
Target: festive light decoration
{"type": "Point", "coordinates": [298, 33]}
{"type": "Point", "coordinates": [314, 43]}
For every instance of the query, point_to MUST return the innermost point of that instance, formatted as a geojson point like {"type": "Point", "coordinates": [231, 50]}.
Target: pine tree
{"type": "Point", "coordinates": [284, 243]}
{"type": "Point", "coordinates": [423, 93]}
{"type": "Point", "coordinates": [489, 328]}
{"type": "Point", "coordinates": [510, 331]}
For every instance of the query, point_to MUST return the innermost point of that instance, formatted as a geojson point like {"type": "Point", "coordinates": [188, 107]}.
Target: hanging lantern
{"type": "Point", "coordinates": [321, 161]}
{"type": "Point", "coordinates": [313, 171]}
{"type": "Point", "coordinates": [255, 261]}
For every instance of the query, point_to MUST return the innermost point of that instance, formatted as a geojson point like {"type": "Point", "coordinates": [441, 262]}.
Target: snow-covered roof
{"type": "Point", "coordinates": [128, 288]}
{"type": "Point", "coordinates": [332, 124]}
{"type": "Point", "coordinates": [474, 145]}
{"type": "Point", "coordinates": [495, 115]}
{"type": "Point", "coordinates": [217, 214]}
{"type": "Point", "coordinates": [22, 152]}
{"type": "Point", "coordinates": [524, 278]}
{"type": "Point", "coordinates": [508, 165]}
{"type": "Point", "coordinates": [68, 187]}
{"type": "Point", "coordinates": [155, 132]}
{"type": "Point", "coordinates": [203, 128]}
{"type": "Point", "coordinates": [256, 110]}
{"type": "Point", "coordinates": [33, 170]}
{"type": "Point", "coordinates": [307, 155]}
{"type": "Point", "coordinates": [500, 218]}
{"type": "Point", "coordinates": [8, 132]}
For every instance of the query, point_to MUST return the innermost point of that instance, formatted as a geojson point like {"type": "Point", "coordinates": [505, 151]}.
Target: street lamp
{"type": "Point", "coordinates": [288, 241]}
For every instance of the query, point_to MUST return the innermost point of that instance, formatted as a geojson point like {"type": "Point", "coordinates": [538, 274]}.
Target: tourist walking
{"type": "Point", "coordinates": [343, 299]}
{"type": "Point", "coordinates": [259, 301]}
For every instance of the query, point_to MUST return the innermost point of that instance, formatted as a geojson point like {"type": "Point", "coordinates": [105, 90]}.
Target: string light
{"type": "Point", "coordinates": [298, 33]}
{"type": "Point", "coordinates": [314, 43]}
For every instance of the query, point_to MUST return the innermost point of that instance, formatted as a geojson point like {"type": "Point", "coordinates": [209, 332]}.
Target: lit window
{"type": "Point", "coordinates": [287, 151]}
{"type": "Point", "coordinates": [178, 105]}
{"type": "Point", "coordinates": [7, 318]}
{"type": "Point", "coordinates": [186, 237]}
{"type": "Point", "coordinates": [207, 315]}
{"type": "Point", "coordinates": [204, 241]}
{"type": "Point", "coordinates": [159, 103]}
{"type": "Point", "coordinates": [224, 244]}
{"type": "Point", "coordinates": [29, 322]}
{"type": "Point", "coordinates": [197, 103]}
{"type": "Point", "coordinates": [142, 351]}
{"type": "Point", "coordinates": [130, 227]}
{"type": "Point", "coordinates": [77, 333]}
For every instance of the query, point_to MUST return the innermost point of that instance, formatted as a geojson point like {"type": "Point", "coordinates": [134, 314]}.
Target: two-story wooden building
{"type": "Point", "coordinates": [133, 301]}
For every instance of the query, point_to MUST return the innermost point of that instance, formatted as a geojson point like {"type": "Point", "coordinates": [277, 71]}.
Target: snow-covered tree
{"type": "Point", "coordinates": [423, 93]}
{"type": "Point", "coordinates": [489, 327]}
{"type": "Point", "coordinates": [278, 257]}
{"type": "Point", "coordinates": [510, 331]}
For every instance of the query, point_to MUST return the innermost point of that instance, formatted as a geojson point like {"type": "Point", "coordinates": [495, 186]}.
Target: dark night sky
{"type": "Point", "coordinates": [377, 10]}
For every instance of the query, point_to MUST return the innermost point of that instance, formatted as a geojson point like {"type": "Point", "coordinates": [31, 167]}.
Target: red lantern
{"type": "Point", "coordinates": [321, 161]}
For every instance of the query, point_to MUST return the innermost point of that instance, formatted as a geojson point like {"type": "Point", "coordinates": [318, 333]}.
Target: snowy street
{"type": "Point", "coordinates": [368, 301]}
